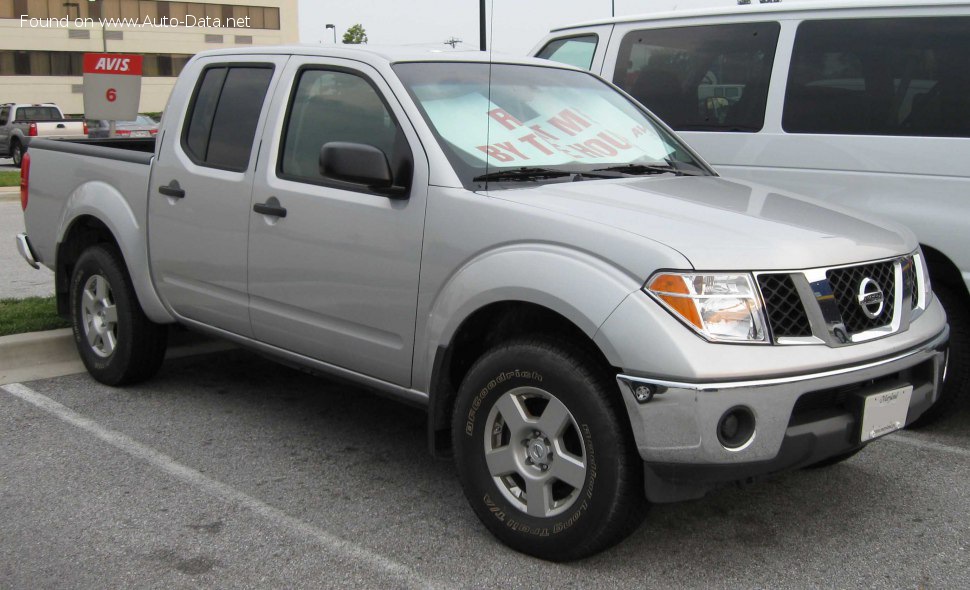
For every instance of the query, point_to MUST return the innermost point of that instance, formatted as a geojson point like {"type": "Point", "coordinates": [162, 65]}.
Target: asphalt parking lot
{"type": "Point", "coordinates": [228, 470]}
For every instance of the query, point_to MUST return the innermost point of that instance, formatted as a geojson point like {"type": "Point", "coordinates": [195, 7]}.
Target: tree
{"type": "Point", "coordinates": [355, 35]}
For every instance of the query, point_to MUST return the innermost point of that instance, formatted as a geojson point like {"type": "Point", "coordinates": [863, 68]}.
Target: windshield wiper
{"type": "Point", "coordinates": [642, 169]}
{"type": "Point", "coordinates": [541, 173]}
{"type": "Point", "coordinates": [524, 173]}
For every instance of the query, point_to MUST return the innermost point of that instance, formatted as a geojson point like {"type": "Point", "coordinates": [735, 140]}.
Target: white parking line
{"type": "Point", "coordinates": [352, 552]}
{"type": "Point", "coordinates": [914, 440]}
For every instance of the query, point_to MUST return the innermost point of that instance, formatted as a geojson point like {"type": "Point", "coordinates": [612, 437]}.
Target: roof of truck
{"type": "Point", "coordinates": [756, 8]}
{"type": "Point", "coordinates": [377, 53]}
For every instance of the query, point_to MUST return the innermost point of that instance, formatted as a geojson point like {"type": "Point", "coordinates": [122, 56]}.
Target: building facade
{"type": "Point", "coordinates": [42, 41]}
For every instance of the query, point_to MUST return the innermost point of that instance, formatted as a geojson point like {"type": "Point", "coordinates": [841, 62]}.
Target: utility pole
{"type": "Point", "coordinates": [481, 24]}
{"type": "Point", "coordinates": [334, 27]}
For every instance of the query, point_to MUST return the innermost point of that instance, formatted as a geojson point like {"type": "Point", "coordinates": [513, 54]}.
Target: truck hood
{"type": "Point", "coordinates": [720, 224]}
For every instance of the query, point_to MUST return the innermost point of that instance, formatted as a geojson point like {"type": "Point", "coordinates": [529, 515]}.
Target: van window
{"type": "Point", "coordinates": [224, 114]}
{"type": "Point", "coordinates": [880, 77]}
{"type": "Point", "coordinates": [706, 78]}
{"type": "Point", "coordinates": [574, 51]}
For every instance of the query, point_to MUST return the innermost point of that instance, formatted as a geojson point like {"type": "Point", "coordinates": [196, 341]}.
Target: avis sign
{"type": "Point", "coordinates": [112, 86]}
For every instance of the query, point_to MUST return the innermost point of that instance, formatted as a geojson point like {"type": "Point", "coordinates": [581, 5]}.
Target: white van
{"type": "Point", "coordinates": [862, 104]}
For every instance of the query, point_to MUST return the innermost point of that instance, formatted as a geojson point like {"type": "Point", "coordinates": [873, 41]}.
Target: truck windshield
{"type": "Point", "coordinates": [538, 124]}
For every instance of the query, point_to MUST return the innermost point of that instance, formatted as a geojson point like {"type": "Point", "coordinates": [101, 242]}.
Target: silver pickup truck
{"type": "Point", "coordinates": [593, 319]}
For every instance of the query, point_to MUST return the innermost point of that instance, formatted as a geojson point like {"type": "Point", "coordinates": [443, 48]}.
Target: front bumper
{"type": "Point", "coordinates": [799, 420]}
{"type": "Point", "coordinates": [23, 246]}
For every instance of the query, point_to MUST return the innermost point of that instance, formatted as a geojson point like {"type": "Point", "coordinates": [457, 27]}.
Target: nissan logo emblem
{"type": "Point", "coordinates": [871, 299]}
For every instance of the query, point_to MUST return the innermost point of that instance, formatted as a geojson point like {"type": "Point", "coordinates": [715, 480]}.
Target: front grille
{"type": "Point", "coordinates": [846, 283]}
{"type": "Point", "coordinates": [786, 314]}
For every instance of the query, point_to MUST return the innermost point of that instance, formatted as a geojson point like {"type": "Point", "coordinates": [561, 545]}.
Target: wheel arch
{"type": "Point", "coordinates": [485, 328]}
{"type": "Point", "coordinates": [97, 213]}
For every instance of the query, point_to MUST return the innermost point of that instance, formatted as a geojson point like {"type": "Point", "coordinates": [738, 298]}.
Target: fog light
{"type": "Point", "coordinates": [736, 428]}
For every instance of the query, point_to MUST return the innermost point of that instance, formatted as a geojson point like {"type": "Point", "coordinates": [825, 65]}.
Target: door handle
{"type": "Point", "coordinates": [267, 209]}
{"type": "Point", "coordinates": [172, 190]}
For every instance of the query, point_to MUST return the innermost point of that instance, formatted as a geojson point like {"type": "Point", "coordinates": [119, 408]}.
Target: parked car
{"type": "Point", "coordinates": [20, 123]}
{"type": "Point", "coordinates": [589, 314]}
{"type": "Point", "coordinates": [862, 104]}
{"type": "Point", "coordinates": [141, 126]}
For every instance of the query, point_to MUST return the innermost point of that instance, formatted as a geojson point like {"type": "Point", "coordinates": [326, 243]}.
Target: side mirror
{"type": "Point", "coordinates": [357, 163]}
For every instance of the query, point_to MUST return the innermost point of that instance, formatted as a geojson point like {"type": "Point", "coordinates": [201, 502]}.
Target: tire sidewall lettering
{"type": "Point", "coordinates": [497, 506]}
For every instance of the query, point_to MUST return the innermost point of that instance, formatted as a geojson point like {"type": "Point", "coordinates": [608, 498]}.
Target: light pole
{"type": "Point", "coordinates": [481, 24]}
{"type": "Point", "coordinates": [334, 27]}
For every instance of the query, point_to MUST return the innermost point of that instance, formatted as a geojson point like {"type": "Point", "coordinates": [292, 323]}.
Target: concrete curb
{"type": "Point", "coordinates": [42, 355]}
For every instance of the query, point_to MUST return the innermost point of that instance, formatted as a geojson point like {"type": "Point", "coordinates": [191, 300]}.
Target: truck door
{"type": "Point", "coordinates": [199, 197]}
{"type": "Point", "coordinates": [334, 266]}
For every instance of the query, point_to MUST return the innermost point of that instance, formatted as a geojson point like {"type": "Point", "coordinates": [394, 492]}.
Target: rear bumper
{"type": "Point", "coordinates": [23, 246]}
{"type": "Point", "coordinates": [798, 420]}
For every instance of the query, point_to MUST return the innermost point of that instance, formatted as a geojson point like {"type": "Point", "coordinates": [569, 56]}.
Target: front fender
{"type": "Point", "coordinates": [105, 203]}
{"type": "Point", "coordinates": [577, 285]}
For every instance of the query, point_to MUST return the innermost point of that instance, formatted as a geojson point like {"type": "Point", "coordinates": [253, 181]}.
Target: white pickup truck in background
{"type": "Point", "coordinates": [19, 123]}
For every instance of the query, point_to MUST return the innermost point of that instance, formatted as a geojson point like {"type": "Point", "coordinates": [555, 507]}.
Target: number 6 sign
{"type": "Point", "coordinates": [112, 86]}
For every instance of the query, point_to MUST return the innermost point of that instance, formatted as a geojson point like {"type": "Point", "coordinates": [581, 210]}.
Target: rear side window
{"type": "Point", "coordinates": [706, 78]}
{"type": "Point", "coordinates": [4, 113]}
{"type": "Point", "coordinates": [337, 105]}
{"type": "Point", "coordinates": [574, 51]}
{"type": "Point", "coordinates": [880, 77]}
{"type": "Point", "coordinates": [223, 116]}
{"type": "Point", "coordinates": [38, 114]}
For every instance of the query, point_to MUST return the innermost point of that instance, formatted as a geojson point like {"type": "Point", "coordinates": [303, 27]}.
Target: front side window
{"type": "Point", "coordinates": [880, 77]}
{"type": "Point", "coordinates": [336, 105]}
{"type": "Point", "coordinates": [705, 78]}
{"type": "Point", "coordinates": [223, 116]}
{"type": "Point", "coordinates": [493, 122]}
{"type": "Point", "coordinates": [573, 51]}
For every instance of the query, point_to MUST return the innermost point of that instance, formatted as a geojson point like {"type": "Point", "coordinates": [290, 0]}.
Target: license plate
{"type": "Point", "coordinates": [885, 412]}
{"type": "Point", "coordinates": [140, 134]}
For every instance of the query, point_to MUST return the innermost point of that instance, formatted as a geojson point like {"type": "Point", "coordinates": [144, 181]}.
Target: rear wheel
{"type": "Point", "coordinates": [16, 153]}
{"type": "Point", "coordinates": [544, 453]}
{"type": "Point", "coordinates": [955, 389]}
{"type": "Point", "coordinates": [116, 341]}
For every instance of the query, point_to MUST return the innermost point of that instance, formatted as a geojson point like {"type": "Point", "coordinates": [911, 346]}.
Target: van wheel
{"type": "Point", "coordinates": [955, 389]}
{"type": "Point", "coordinates": [16, 153]}
{"type": "Point", "coordinates": [544, 451]}
{"type": "Point", "coordinates": [117, 342]}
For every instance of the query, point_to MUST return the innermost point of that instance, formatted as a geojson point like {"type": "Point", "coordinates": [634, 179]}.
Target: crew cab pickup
{"type": "Point", "coordinates": [21, 123]}
{"type": "Point", "coordinates": [593, 319]}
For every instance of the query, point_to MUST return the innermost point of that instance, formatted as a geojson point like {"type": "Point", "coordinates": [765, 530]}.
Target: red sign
{"type": "Point", "coordinates": [112, 63]}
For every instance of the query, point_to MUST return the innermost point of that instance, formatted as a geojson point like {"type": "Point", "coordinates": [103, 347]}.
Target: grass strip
{"type": "Point", "coordinates": [33, 314]}
{"type": "Point", "coordinates": [9, 177]}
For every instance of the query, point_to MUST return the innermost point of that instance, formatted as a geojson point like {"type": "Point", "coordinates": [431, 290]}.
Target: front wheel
{"type": "Point", "coordinates": [116, 341]}
{"type": "Point", "coordinates": [544, 453]}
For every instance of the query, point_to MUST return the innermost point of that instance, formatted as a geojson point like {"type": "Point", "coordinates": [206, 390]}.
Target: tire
{"type": "Point", "coordinates": [835, 459]}
{"type": "Point", "coordinates": [580, 459]}
{"type": "Point", "coordinates": [116, 341]}
{"type": "Point", "coordinates": [17, 153]}
{"type": "Point", "coordinates": [954, 394]}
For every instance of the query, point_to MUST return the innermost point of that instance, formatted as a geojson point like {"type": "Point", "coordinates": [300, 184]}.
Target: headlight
{"type": "Point", "coordinates": [922, 279]}
{"type": "Point", "coordinates": [722, 307]}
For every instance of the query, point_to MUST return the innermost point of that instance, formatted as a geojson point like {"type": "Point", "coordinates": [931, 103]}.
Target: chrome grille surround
{"type": "Point", "coordinates": [831, 301]}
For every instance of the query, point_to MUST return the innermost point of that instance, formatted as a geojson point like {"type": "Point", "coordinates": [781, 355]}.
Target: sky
{"type": "Point", "coordinates": [517, 27]}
